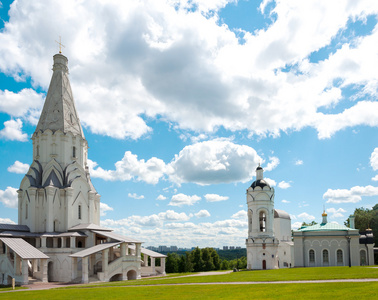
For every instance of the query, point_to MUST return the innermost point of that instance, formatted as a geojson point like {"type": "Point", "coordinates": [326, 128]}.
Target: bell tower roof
{"type": "Point", "coordinates": [259, 178]}
{"type": "Point", "coordinates": [59, 111]}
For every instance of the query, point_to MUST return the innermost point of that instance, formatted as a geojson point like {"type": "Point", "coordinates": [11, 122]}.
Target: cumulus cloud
{"type": "Point", "coordinates": [296, 225]}
{"type": "Point", "coordinates": [284, 185]}
{"type": "Point", "coordinates": [161, 197]}
{"type": "Point", "coordinates": [274, 162]}
{"type": "Point", "coordinates": [374, 159]}
{"type": "Point", "coordinates": [182, 199]}
{"type": "Point", "coordinates": [216, 161]}
{"type": "Point", "coordinates": [6, 221]}
{"type": "Point", "coordinates": [135, 196]}
{"type": "Point", "coordinates": [130, 168]}
{"type": "Point", "coordinates": [9, 197]}
{"type": "Point", "coordinates": [104, 208]}
{"type": "Point", "coordinates": [305, 216]}
{"type": "Point", "coordinates": [203, 213]}
{"type": "Point", "coordinates": [215, 198]}
{"type": "Point", "coordinates": [352, 195]}
{"type": "Point", "coordinates": [12, 131]}
{"type": "Point", "coordinates": [375, 178]}
{"type": "Point", "coordinates": [241, 214]}
{"type": "Point", "coordinates": [336, 213]}
{"type": "Point", "coordinates": [285, 201]}
{"type": "Point", "coordinates": [299, 162]}
{"type": "Point", "coordinates": [26, 104]}
{"type": "Point", "coordinates": [18, 168]}
{"type": "Point", "coordinates": [255, 83]}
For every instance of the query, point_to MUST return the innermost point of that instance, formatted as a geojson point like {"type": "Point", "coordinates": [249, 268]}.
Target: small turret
{"type": "Point", "coordinates": [324, 220]}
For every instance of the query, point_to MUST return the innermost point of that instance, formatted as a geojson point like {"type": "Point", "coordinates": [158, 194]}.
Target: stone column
{"type": "Point", "coordinates": [145, 260]}
{"type": "Point", "coordinates": [111, 253]}
{"type": "Point", "coordinates": [105, 258]}
{"type": "Point", "coordinates": [91, 200]}
{"type": "Point", "coordinates": [72, 242]}
{"type": "Point", "coordinates": [84, 270]}
{"type": "Point", "coordinates": [25, 273]}
{"type": "Point", "coordinates": [16, 264]}
{"type": "Point", "coordinates": [35, 266]}
{"type": "Point", "coordinates": [44, 270]}
{"type": "Point", "coordinates": [31, 214]}
{"type": "Point", "coordinates": [43, 242]}
{"type": "Point", "coordinates": [49, 208]}
{"type": "Point", "coordinates": [68, 202]}
{"type": "Point", "coordinates": [138, 250]}
{"type": "Point", "coordinates": [123, 249]}
{"type": "Point", "coordinates": [153, 264]}
{"type": "Point", "coordinates": [162, 265]}
{"type": "Point", "coordinates": [55, 242]}
{"type": "Point", "coordinates": [74, 268]}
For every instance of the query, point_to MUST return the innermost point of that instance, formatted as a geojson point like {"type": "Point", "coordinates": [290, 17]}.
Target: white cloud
{"type": "Point", "coordinates": [241, 214]}
{"type": "Point", "coordinates": [182, 199]}
{"type": "Point", "coordinates": [274, 162]}
{"type": "Point", "coordinates": [285, 201]}
{"type": "Point", "coordinates": [353, 195]}
{"type": "Point", "coordinates": [215, 198]}
{"type": "Point", "coordinates": [9, 197]}
{"type": "Point", "coordinates": [202, 59]}
{"type": "Point", "coordinates": [374, 159]}
{"type": "Point", "coordinates": [130, 168]}
{"type": "Point", "coordinates": [6, 221]}
{"type": "Point", "coordinates": [271, 182]}
{"type": "Point", "coordinates": [299, 162]}
{"type": "Point", "coordinates": [26, 104]}
{"type": "Point", "coordinates": [104, 208]}
{"type": "Point", "coordinates": [171, 215]}
{"type": "Point", "coordinates": [336, 213]}
{"type": "Point", "coordinates": [13, 131]}
{"type": "Point", "coordinates": [305, 216]}
{"type": "Point", "coordinates": [18, 168]}
{"type": "Point", "coordinates": [296, 225]}
{"type": "Point", "coordinates": [284, 185]}
{"type": "Point", "coordinates": [135, 196]}
{"type": "Point", "coordinates": [375, 178]}
{"type": "Point", "coordinates": [215, 161]}
{"type": "Point", "coordinates": [203, 213]}
{"type": "Point", "coordinates": [161, 197]}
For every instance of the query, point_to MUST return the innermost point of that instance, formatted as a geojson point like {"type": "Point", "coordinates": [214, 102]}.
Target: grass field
{"type": "Point", "coordinates": [122, 290]}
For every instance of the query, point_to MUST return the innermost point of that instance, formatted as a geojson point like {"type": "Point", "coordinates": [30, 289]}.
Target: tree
{"type": "Point", "coordinates": [197, 260]}
{"type": "Point", "coordinates": [188, 262]}
{"type": "Point", "coordinates": [216, 260]}
{"type": "Point", "coordinates": [171, 264]}
{"type": "Point", "coordinates": [208, 264]}
{"type": "Point", "coordinates": [224, 265]}
{"type": "Point", "coordinates": [309, 224]}
{"type": "Point", "coordinates": [365, 218]}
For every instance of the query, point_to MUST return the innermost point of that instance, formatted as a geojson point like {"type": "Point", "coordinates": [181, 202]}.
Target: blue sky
{"type": "Point", "coordinates": [180, 101]}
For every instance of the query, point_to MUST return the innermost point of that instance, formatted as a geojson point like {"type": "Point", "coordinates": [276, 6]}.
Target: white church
{"type": "Point", "coordinates": [271, 244]}
{"type": "Point", "coordinates": [58, 236]}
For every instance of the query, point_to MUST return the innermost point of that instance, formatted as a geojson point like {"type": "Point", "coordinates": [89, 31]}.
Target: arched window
{"type": "Point", "coordinates": [73, 151]}
{"type": "Point", "coordinates": [339, 257]}
{"type": "Point", "coordinates": [262, 221]}
{"type": "Point", "coordinates": [311, 255]}
{"type": "Point", "coordinates": [79, 212]}
{"type": "Point", "coordinates": [325, 256]}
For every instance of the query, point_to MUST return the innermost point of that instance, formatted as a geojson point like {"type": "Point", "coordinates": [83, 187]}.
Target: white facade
{"type": "Point", "coordinates": [269, 233]}
{"type": "Point", "coordinates": [59, 208]}
{"type": "Point", "coordinates": [329, 244]}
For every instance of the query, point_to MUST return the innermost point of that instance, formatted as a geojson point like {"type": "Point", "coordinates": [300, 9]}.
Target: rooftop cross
{"type": "Point", "coordinates": [60, 44]}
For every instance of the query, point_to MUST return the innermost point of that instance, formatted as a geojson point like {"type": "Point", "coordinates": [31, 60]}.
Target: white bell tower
{"type": "Point", "coordinates": [261, 244]}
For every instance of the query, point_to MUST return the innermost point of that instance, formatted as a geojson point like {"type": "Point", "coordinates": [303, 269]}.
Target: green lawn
{"type": "Point", "coordinates": [254, 291]}
{"type": "Point", "coordinates": [266, 275]}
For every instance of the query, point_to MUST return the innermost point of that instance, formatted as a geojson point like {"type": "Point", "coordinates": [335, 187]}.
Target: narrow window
{"type": "Point", "coordinates": [38, 150]}
{"type": "Point", "coordinates": [262, 221]}
{"type": "Point", "coordinates": [26, 211]}
{"type": "Point", "coordinates": [74, 151]}
{"type": "Point", "coordinates": [339, 255]}
{"type": "Point", "coordinates": [312, 256]}
{"type": "Point", "coordinates": [325, 256]}
{"type": "Point", "coordinates": [79, 212]}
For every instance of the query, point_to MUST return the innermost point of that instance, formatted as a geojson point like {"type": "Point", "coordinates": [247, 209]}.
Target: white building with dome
{"type": "Point", "coordinates": [58, 236]}
{"type": "Point", "coordinates": [269, 244]}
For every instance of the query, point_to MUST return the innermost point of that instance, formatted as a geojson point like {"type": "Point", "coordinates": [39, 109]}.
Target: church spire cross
{"type": "Point", "coordinates": [60, 44]}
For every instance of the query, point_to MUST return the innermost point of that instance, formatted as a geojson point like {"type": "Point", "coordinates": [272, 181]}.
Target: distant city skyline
{"type": "Point", "coordinates": [181, 100]}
